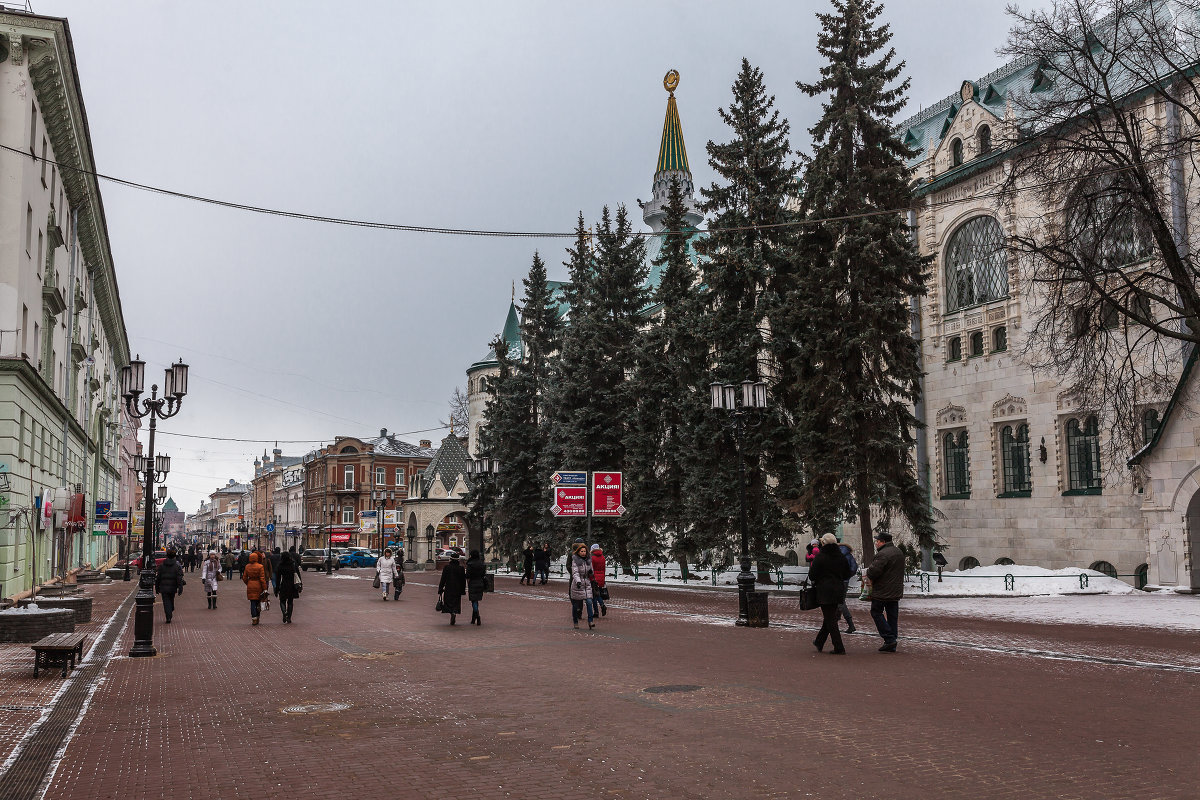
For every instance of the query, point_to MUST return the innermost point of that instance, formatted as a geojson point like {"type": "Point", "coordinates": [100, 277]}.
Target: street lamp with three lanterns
{"type": "Point", "coordinates": [151, 469]}
{"type": "Point", "coordinates": [478, 468]}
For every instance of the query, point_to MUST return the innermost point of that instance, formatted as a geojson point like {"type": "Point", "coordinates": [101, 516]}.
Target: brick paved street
{"type": "Point", "coordinates": [527, 707]}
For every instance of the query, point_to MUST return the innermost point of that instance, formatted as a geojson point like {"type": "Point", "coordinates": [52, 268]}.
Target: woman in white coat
{"type": "Point", "coordinates": [210, 573]}
{"type": "Point", "coordinates": [389, 573]}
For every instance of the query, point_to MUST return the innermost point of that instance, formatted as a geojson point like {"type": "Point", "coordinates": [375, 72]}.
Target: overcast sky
{"type": "Point", "coordinates": [495, 115]}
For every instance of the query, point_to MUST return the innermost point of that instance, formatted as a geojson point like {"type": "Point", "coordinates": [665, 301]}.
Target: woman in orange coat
{"type": "Point", "coordinates": [255, 578]}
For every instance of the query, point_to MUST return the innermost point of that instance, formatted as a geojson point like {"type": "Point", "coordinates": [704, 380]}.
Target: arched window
{"type": "Point", "coordinates": [1000, 339]}
{"type": "Point", "coordinates": [349, 449]}
{"type": "Point", "coordinates": [956, 464]}
{"type": "Point", "coordinates": [1150, 423]}
{"type": "Point", "coordinates": [976, 269]}
{"type": "Point", "coordinates": [956, 153]}
{"type": "Point", "coordinates": [968, 562]}
{"type": "Point", "coordinates": [1004, 561]}
{"type": "Point", "coordinates": [985, 140]}
{"type": "Point", "coordinates": [954, 348]}
{"type": "Point", "coordinates": [1083, 456]}
{"type": "Point", "coordinates": [1141, 576]}
{"type": "Point", "coordinates": [1014, 457]}
{"type": "Point", "coordinates": [791, 558]}
{"type": "Point", "coordinates": [1106, 227]}
{"type": "Point", "coordinates": [976, 344]}
{"type": "Point", "coordinates": [1105, 567]}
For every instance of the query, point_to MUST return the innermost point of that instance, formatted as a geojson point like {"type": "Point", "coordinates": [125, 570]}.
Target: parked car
{"type": "Point", "coordinates": [315, 559]}
{"type": "Point", "coordinates": [444, 554]}
{"type": "Point", "coordinates": [357, 558]}
{"type": "Point", "coordinates": [159, 557]}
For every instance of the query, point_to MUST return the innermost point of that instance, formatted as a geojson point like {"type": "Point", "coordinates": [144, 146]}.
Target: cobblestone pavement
{"type": "Point", "coordinates": [664, 699]}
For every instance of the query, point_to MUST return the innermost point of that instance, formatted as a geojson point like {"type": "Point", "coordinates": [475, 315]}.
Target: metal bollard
{"type": "Point", "coordinates": [635, 572]}
{"type": "Point", "coordinates": [660, 574]}
{"type": "Point", "coordinates": [1010, 583]}
{"type": "Point", "coordinates": [924, 581]}
{"type": "Point", "coordinates": [1083, 580]}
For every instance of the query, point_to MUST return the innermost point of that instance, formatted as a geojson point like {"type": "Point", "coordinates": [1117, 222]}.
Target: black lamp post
{"type": "Point", "coordinates": [329, 507]}
{"type": "Point", "coordinates": [381, 497]}
{"type": "Point", "coordinates": [410, 563]}
{"type": "Point", "coordinates": [429, 562]}
{"type": "Point", "coordinates": [133, 383]}
{"type": "Point", "coordinates": [480, 468]}
{"type": "Point", "coordinates": [724, 398]}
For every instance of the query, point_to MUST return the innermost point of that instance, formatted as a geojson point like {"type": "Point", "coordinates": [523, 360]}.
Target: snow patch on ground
{"type": "Point", "coordinates": [1026, 581]}
{"type": "Point", "coordinates": [347, 577]}
{"type": "Point", "coordinates": [1136, 609]}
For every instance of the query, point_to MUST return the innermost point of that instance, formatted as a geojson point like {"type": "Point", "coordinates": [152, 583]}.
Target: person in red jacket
{"type": "Point", "coordinates": [598, 590]}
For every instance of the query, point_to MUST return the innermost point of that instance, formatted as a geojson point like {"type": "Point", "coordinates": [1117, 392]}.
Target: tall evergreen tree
{"type": "Point", "coordinates": [668, 384]}
{"type": "Point", "coordinates": [591, 396]}
{"type": "Point", "coordinates": [749, 252]}
{"type": "Point", "coordinates": [847, 318]}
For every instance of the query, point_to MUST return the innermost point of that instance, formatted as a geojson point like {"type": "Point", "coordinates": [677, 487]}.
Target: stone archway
{"type": "Point", "coordinates": [1188, 574]}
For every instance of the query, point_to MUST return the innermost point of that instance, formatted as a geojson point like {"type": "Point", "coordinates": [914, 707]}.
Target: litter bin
{"type": "Point", "coordinates": [756, 610]}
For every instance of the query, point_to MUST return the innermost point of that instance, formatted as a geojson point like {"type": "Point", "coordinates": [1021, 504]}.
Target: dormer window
{"type": "Point", "coordinates": [985, 140]}
{"type": "Point", "coordinates": [956, 153]}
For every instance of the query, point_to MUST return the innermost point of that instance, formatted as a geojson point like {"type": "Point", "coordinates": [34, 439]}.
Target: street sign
{"type": "Point", "coordinates": [100, 528]}
{"type": "Point", "coordinates": [118, 526]}
{"type": "Point", "coordinates": [606, 494]}
{"type": "Point", "coordinates": [570, 493]}
{"type": "Point", "coordinates": [103, 509]}
{"type": "Point", "coordinates": [270, 527]}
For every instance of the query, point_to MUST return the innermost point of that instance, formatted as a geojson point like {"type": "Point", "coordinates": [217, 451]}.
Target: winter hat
{"type": "Point", "coordinates": [454, 555]}
{"type": "Point", "coordinates": [829, 538]}
{"type": "Point", "coordinates": [594, 548]}
{"type": "Point", "coordinates": [883, 537]}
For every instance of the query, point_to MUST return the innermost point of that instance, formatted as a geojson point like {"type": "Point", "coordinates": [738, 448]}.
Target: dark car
{"type": "Point", "coordinates": [316, 559]}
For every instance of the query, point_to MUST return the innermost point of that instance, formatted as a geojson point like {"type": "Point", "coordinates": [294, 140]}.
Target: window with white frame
{"type": "Point", "coordinates": [347, 515]}
{"type": "Point", "coordinates": [380, 476]}
{"type": "Point", "coordinates": [348, 476]}
{"type": "Point", "coordinates": [400, 476]}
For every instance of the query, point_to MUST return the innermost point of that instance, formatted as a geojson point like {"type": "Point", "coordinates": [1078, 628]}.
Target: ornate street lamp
{"type": "Point", "coordinates": [133, 383]}
{"type": "Point", "coordinates": [381, 498]}
{"type": "Point", "coordinates": [429, 562]}
{"type": "Point", "coordinates": [754, 398]}
{"type": "Point", "coordinates": [410, 563]}
{"type": "Point", "coordinates": [480, 468]}
{"type": "Point", "coordinates": [330, 509]}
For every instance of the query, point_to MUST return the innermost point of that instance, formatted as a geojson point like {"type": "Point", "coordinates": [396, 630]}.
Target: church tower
{"type": "Point", "coordinates": [672, 165]}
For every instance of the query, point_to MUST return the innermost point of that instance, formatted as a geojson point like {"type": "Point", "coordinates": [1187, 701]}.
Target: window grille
{"type": "Point", "coordinates": [985, 140]}
{"type": "Point", "coordinates": [956, 461]}
{"type": "Point", "coordinates": [1014, 455]}
{"type": "Point", "coordinates": [1083, 454]}
{"type": "Point", "coordinates": [1150, 423]}
{"type": "Point", "coordinates": [955, 348]}
{"type": "Point", "coordinates": [1000, 339]}
{"type": "Point", "coordinates": [977, 343]}
{"type": "Point", "coordinates": [1106, 228]}
{"type": "Point", "coordinates": [976, 271]}
{"type": "Point", "coordinates": [956, 153]}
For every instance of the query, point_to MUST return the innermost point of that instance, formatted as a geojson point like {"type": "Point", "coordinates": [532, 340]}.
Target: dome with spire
{"type": "Point", "coordinates": [672, 166]}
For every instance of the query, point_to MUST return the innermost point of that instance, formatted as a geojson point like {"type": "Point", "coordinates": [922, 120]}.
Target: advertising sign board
{"type": "Point", "coordinates": [391, 519]}
{"type": "Point", "coordinates": [570, 493]}
{"type": "Point", "coordinates": [118, 527]}
{"type": "Point", "coordinates": [103, 509]}
{"type": "Point", "coordinates": [606, 494]}
{"type": "Point", "coordinates": [366, 521]}
{"type": "Point", "coordinates": [339, 536]}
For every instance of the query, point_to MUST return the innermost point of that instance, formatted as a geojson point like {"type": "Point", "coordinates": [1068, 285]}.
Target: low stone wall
{"type": "Point", "coordinates": [81, 606]}
{"type": "Point", "coordinates": [30, 626]}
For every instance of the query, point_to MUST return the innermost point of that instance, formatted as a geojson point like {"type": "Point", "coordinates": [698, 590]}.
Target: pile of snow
{"type": "Point", "coordinates": [1141, 610]}
{"type": "Point", "coordinates": [1026, 581]}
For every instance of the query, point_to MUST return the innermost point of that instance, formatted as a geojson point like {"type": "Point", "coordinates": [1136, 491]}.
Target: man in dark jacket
{"type": "Point", "coordinates": [541, 560]}
{"type": "Point", "coordinates": [191, 558]}
{"type": "Point", "coordinates": [527, 574]}
{"type": "Point", "coordinates": [168, 582]}
{"type": "Point", "coordinates": [242, 560]}
{"type": "Point", "coordinates": [275, 557]}
{"type": "Point", "coordinates": [886, 574]}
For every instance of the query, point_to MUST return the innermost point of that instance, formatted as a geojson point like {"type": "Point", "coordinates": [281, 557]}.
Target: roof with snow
{"type": "Point", "coordinates": [448, 464]}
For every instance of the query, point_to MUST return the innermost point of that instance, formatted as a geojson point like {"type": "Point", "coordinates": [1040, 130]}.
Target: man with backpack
{"type": "Point", "coordinates": [843, 609]}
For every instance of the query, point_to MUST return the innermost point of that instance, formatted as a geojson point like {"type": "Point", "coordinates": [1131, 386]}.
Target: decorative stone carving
{"type": "Point", "coordinates": [1009, 406]}
{"type": "Point", "coordinates": [1168, 573]}
{"type": "Point", "coordinates": [995, 314]}
{"type": "Point", "coordinates": [951, 415]}
{"type": "Point", "coordinates": [16, 49]}
{"type": "Point", "coordinates": [1068, 400]}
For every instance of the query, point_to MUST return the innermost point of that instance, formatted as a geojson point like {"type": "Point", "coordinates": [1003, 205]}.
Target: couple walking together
{"type": "Point", "coordinates": [456, 581]}
{"type": "Point", "coordinates": [258, 584]}
{"type": "Point", "coordinates": [388, 574]}
{"type": "Point", "coordinates": [829, 574]}
{"type": "Point", "coordinates": [586, 585]}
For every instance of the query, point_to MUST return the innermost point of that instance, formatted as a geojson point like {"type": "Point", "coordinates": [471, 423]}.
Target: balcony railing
{"type": "Point", "coordinates": [347, 488]}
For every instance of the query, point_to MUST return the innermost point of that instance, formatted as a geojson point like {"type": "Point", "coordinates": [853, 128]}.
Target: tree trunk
{"type": "Point", "coordinates": [623, 551]}
{"type": "Point", "coordinates": [863, 499]}
{"type": "Point", "coordinates": [683, 565]}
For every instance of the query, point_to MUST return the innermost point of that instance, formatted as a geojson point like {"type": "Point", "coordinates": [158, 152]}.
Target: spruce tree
{"type": "Point", "coordinates": [539, 334]}
{"type": "Point", "coordinates": [591, 396]}
{"type": "Point", "coordinates": [749, 252]}
{"type": "Point", "coordinates": [668, 384]}
{"type": "Point", "coordinates": [846, 320]}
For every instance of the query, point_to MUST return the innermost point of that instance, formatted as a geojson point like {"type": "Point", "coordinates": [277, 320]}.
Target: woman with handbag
{"type": "Point", "coordinates": [255, 578]}
{"type": "Point", "coordinates": [288, 587]}
{"type": "Point", "coordinates": [476, 584]}
{"type": "Point", "coordinates": [385, 573]}
{"type": "Point", "coordinates": [452, 586]}
{"type": "Point", "coordinates": [210, 574]}
{"type": "Point", "coordinates": [828, 574]}
{"type": "Point", "coordinates": [599, 592]}
{"type": "Point", "coordinates": [267, 569]}
{"type": "Point", "coordinates": [579, 588]}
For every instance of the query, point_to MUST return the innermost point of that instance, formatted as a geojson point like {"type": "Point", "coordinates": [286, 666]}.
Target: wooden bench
{"type": "Point", "coordinates": [58, 649]}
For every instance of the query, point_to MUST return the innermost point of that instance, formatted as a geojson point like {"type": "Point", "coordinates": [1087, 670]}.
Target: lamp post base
{"type": "Point", "coordinates": [752, 605]}
{"type": "Point", "coordinates": [143, 617]}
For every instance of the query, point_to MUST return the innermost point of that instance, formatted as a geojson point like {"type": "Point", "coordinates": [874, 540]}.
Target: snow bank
{"type": "Point", "coordinates": [1015, 580]}
{"type": "Point", "coordinates": [1141, 610]}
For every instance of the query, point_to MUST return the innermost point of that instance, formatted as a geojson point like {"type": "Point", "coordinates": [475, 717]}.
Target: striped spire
{"type": "Point", "coordinates": [672, 153]}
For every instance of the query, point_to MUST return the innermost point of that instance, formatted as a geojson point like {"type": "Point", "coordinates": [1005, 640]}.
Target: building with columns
{"type": "Point", "coordinates": [62, 328]}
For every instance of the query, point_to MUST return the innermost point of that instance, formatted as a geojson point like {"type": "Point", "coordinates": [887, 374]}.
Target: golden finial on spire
{"type": "Point", "coordinates": [671, 81]}
{"type": "Point", "coordinates": [514, 290]}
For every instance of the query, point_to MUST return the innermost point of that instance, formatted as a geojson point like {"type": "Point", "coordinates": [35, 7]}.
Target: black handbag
{"type": "Point", "coordinates": [603, 592]}
{"type": "Point", "coordinates": [439, 605]}
{"type": "Point", "coordinates": [297, 588]}
{"type": "Point", "coordinates": [808, 597]}
{"type": "Point", "coordinates": [489, 583]}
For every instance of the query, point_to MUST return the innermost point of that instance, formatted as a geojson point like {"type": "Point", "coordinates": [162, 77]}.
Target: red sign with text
{"type": "Point", "coordinates": [118, 527]}
{"type": "Point", "coordinates": [339, 537]}
{"type": "Point", "coordinates": [570, 493]}
{"type": "Point", "coordinates": [606, 494]}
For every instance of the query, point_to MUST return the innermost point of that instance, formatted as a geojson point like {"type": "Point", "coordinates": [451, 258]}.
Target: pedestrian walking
{"type": "Point", "coordinates": [210, 575]}
{"type": "Point", "coordinates": [191, 558]}
{"type": "Point", "coordinates": [452, 586]}
{"type": "Point", "coordinates": [387, 570]}
{"type": "Point", "coordinates": [527, 576]}
{"type": "Point", "coordinates": [599, 565]}
{"type": "Point", "coordinates": [265, 560]}
{"type": "Point", "coordinates": [255, 578]}
{"type": "Point", "coordinates": [242, 560]}
{"type": "Point", "coordinates": [541, 561]}
{"type": "Point", "coordinates": [810, 550]}
{"type": "Point", "coordinates": [169, 582]}
{"type": "Point", "coordinates": [288, 585]}
{"type": "Point", "coordinates": [848, 551]}
{"type": "Point", "coordinates": [275, 557]}
{"type": "Point", "coordinates": [828, 575]}
{"type": "Point", "coordinates": [886, 574]}
{"type": "Point", "coordinates": [579, 587]}
{"type": "Point", "coordinates": [476, 574]}
{"type": "Point", "coordinates": [228, 561]}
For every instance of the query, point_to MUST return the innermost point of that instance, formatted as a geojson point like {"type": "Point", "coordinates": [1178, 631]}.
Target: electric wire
{"type": "Point", "coordinates": [287, 441]}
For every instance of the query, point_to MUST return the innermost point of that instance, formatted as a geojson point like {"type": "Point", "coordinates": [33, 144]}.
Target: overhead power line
{"type": "Point", "coordinates": [288, 441]}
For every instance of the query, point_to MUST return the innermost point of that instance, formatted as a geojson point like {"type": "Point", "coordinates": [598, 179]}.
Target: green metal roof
{"type": "Point", "coordinates": [672, 154]}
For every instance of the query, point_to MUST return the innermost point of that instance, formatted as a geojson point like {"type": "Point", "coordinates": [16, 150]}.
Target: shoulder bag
{"type": "Point", "coordinates": [375, 583]}
{"type": "Point", "coordinates": [808, 596]}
